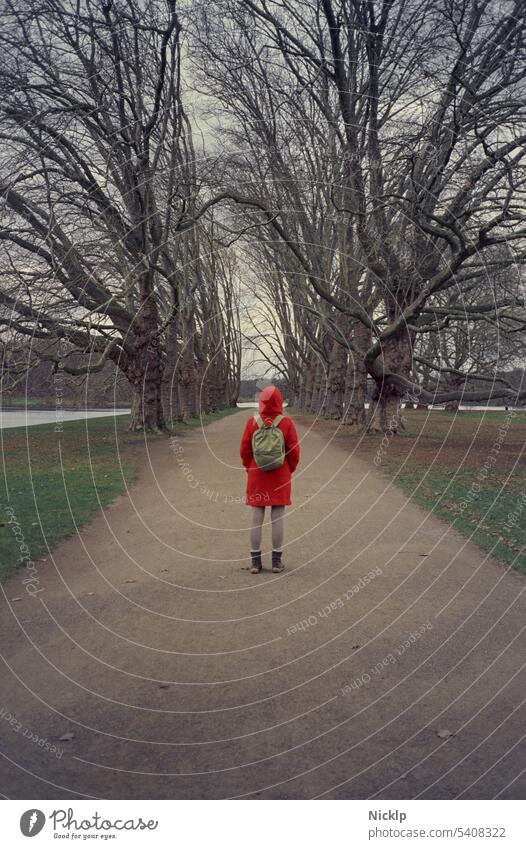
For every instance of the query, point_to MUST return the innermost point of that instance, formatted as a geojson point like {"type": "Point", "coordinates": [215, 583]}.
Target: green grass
{"type": "Point", "coordinates": [437, 463]}
{"type": "Point", "coordinates": [51, 483]}
{"type": "Point", "coordinates": [484, 518]}
{"type": "Point", "coordinates": [441, 463]}
{"type": "Point", "coordinates": [20, 402]}
{"type": "Point", "coordinates": [207, 418]}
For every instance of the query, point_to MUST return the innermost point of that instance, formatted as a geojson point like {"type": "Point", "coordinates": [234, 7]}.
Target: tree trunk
{"type": "Point", "coordinates": [218, 384]}
{"type": "Point", "coordinates": [169, 388]}
{"type": "Point", "coordinates": [146, 406]}
{"type": "Point", "coordinates": [334, 403]}
{"type": "Point", "coordinates": [355, 392]}
{"type": "Point", "coordinates": [188, 385]}
{"type": "Point", "coordinates": [204, 378]}
{"type": "Point", "coordinates": [309, 382]}
{"type": "Point", "coordinates": [318, 389]}
{"type": "Point", "coordinates": [386, 407]}
{"type": "Point", "coordinates": [188, 396]}
{"type": "Point", "coordinates": [232, 390]}
{"type": "Point", "coordinates": [386, 412]}
{"type": "Point", "coordinates": [292, 384]}
{"type": "Point", "coordinates": [216, 398]}
{"type": "Point", "coordinates": [301, 394]}
{"type": "Point", "coordinates": [356, 380]}
{"type": "Point", "coordinates": [144, 371]}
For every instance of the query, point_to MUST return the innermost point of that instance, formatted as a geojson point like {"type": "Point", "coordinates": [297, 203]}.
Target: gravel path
{"type": "Point", "coordinates": [387, 661]}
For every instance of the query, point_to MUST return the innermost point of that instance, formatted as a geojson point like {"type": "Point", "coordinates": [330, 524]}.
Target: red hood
{"type": "Point", "coordinates": [270, 401]}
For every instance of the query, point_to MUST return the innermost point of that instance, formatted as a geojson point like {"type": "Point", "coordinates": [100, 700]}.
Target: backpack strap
{"type": "Point", "coordinates": [260, 423]}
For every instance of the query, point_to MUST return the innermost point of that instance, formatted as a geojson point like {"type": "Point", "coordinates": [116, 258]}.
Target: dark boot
{"type": "Point", "coordinates": [257, 565]}
{"type": "Point", "coordinates": [277, 565]}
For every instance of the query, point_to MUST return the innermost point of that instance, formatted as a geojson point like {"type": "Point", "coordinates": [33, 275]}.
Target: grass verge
{"type": "Point", "coordinates": [54, 482]}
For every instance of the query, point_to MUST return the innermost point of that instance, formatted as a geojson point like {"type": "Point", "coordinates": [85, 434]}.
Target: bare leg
{"type": "Point", "coordinates": [258, 514]}
{"type": "Point", "coordinates": [277, 517]}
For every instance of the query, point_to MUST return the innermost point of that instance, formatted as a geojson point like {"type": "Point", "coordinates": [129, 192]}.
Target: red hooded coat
{"type": "Point", "coordinates": [268, 489]}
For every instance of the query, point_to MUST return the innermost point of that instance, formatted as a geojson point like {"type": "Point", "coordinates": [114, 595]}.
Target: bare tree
{"type": "Point", "coordinates": [98, 186]}
{"type": "Point", "coordinates": [425, 102]}
{"type": "Point", "coordinates": [471, 350]}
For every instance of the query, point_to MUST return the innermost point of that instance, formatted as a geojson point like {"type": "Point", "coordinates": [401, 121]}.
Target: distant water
{"type": "Point", "coordinates": [432, 407]}
{"type": "Point", "coordinates": [26, 418]}
{"type": "Point", "coordinates": [252, 404]}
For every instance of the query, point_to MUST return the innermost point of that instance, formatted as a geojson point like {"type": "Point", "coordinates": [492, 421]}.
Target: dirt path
{"type": "Point", "coordinates": [181, 676]}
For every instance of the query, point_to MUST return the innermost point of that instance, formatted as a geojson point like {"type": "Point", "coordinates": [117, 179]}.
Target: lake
{"type": "Point", "coordinates": [26, 418]}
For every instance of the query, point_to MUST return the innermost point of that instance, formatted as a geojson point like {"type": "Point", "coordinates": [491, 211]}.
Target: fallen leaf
{"type": "Point", "coordinates": [445, 733]}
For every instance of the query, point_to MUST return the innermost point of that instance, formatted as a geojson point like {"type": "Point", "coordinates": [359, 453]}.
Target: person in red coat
{"type": "Point", "coordinates": [269, 488]}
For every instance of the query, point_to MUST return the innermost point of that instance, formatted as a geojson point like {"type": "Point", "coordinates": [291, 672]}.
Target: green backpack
{"type": "Point", "coordinates": [268, 444]}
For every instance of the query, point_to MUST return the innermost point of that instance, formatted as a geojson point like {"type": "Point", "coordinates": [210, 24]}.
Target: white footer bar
{"type": "Point", "coordinates": [263, 824]}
